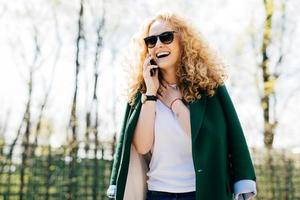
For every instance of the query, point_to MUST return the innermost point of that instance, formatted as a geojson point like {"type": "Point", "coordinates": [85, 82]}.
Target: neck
{"type": "Point", "coordinates": [170, 76]}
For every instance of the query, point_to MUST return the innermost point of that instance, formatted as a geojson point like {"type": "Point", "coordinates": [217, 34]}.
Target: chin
{"type": "Point", "coordinates": [166, 64]}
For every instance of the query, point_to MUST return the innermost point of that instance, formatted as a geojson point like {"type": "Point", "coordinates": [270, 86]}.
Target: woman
{"type": "Point", "coordinates": [181, 137]}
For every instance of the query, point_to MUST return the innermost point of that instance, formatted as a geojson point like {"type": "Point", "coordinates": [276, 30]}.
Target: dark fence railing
{"type": "Point", "coordinates": [278, 174]}
{"type": "Point", "coordinates": [51, 174]}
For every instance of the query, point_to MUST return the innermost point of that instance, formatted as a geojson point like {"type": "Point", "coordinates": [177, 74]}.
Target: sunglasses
{"type": "Point", "coordinates": [165, 37]}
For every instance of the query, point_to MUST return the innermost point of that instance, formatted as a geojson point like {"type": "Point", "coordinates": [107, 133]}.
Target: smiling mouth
{"type": "Point", "coordinates": [163, 55]}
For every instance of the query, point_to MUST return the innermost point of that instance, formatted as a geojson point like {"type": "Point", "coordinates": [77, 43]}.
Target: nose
{"type": "Point", "coordinates": [158, 43]}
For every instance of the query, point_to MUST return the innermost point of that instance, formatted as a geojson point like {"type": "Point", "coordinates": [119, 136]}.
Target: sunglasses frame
{"type": "Point", "coordinates": [146, 39]}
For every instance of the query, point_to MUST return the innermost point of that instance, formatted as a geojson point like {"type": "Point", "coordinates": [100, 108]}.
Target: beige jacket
{"type": "Point", "coordinates": [136, 185]}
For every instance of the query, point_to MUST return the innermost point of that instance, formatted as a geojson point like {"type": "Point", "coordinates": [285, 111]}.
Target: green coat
{"type": "Point", "coordinates": [220, 152]}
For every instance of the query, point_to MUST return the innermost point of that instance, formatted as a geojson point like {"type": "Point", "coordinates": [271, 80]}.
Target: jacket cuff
{"type": "Point", "coordinates": [111, 191]}
{"type": "Point", "coordinates": [244, 189]}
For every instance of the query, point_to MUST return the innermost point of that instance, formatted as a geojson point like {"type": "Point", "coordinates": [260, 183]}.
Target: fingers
{"type": "Point", "coordinates": [149, 67]}
{"type": "Point", "coordinates": [147, 61]}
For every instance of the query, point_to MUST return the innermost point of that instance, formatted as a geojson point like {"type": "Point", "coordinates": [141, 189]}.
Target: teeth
{"type": "Point", "coordinates": [164, 53]}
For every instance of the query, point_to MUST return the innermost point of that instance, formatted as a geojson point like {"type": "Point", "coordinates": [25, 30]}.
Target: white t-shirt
{"type": "Point", "coordinates": [171, 165]}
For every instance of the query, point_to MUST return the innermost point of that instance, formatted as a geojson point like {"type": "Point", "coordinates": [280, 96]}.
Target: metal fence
{"type": "Point", "coordinates": [51, 174]}
{"type": "Point", "coordinates": [278, 174]}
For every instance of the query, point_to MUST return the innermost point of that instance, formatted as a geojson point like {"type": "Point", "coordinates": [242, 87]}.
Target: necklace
{"type": "Point", "coordinates": [173, 86]}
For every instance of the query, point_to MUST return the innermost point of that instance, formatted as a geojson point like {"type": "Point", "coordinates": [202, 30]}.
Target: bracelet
{"type": "Point", "coordinates": [174, 101]}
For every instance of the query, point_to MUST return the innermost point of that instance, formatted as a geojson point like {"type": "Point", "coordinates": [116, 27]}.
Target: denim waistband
{"type": "Point", "coordinates": [171, 194]}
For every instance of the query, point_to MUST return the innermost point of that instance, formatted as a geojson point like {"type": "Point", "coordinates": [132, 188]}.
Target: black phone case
{"type": "Point", "coordinates": [152, 71]}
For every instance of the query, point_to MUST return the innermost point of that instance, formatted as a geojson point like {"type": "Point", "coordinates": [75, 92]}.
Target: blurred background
{"type": "Point", "coordinates": [62, 82]}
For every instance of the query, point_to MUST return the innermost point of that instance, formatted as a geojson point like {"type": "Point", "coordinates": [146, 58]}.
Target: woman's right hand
{"type": "Point", "coordinates": [152, 82]}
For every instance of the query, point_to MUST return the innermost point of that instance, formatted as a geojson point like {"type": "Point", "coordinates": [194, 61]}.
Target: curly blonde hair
{"type": "Point", "coordinates": [199, 70]}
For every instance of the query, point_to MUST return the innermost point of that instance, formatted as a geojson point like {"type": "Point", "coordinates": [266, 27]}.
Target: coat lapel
{"type": "Point", "coordinates": [197, 110]}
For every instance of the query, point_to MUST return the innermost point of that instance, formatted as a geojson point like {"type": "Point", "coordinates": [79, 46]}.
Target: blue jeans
{"type": "Point", "coordinates": [155, 195]}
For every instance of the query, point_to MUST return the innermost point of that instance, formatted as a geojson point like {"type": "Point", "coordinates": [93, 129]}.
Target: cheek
{"type": "Point", "coordinates": [151, 51]}
{"type": "Point", "coordinates": [176, 51]}
{"type": "Point", "coordinates": [176, 48]}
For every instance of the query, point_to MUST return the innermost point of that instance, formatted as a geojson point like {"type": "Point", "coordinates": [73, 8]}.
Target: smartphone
{"type": "Point", "coordinates": [152, 71]}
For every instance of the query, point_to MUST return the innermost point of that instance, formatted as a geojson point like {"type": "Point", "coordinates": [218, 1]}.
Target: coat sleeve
{"type": "Point", "coordinates": [117, 157]}
{"type": "Point", "coordinates": [239, 156]}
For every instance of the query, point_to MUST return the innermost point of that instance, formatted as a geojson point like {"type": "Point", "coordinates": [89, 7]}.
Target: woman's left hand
{"type": "Point", "coordinates": [167, 94]}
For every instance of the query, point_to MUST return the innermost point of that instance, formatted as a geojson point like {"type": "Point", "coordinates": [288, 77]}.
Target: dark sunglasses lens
{"type": "Point", "coordinates": [166, 38]}
{"type": "Point", "coordinates": [151, 41]}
